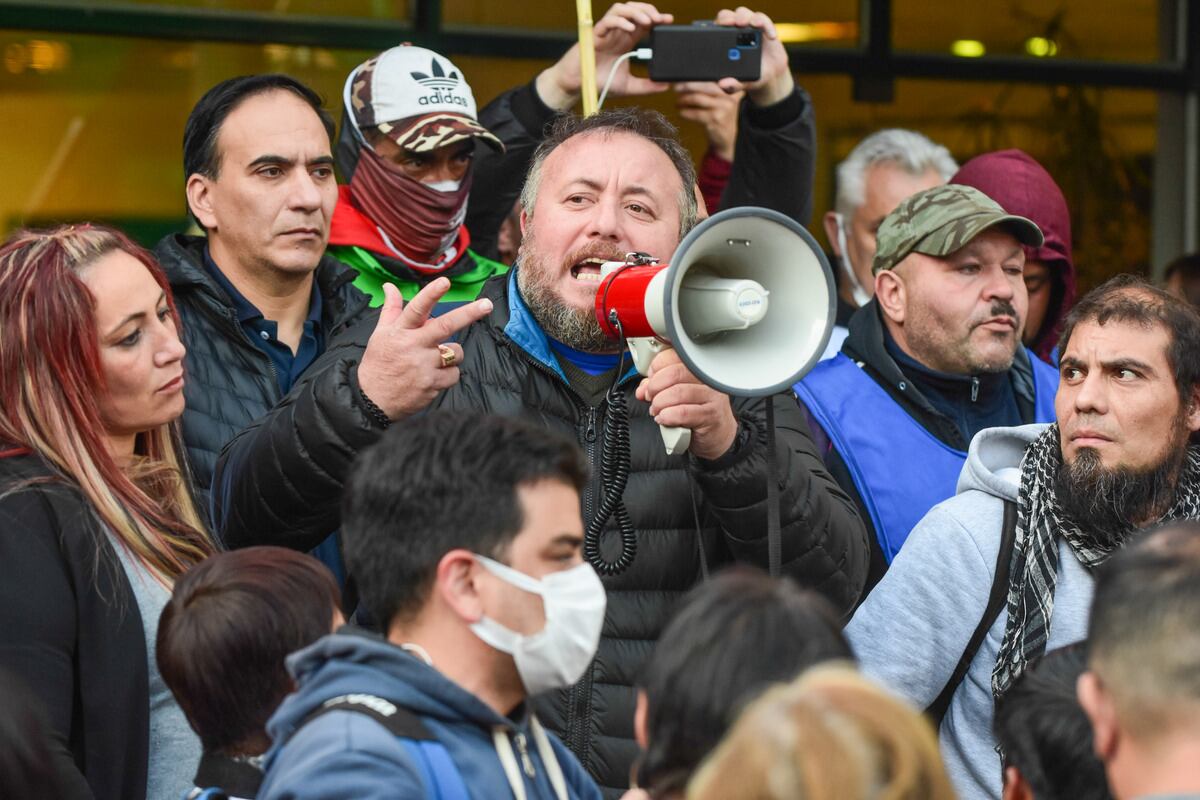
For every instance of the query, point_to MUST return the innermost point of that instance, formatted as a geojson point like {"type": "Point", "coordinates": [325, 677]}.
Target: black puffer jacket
{"type": "Point", "coordinates": [288, 469]}
{"type": "Point", "coordinates": [230, 381]}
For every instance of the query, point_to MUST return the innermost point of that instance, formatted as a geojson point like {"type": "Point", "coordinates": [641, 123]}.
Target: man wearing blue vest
{"type": "Point", "coordinates": [933, 359]}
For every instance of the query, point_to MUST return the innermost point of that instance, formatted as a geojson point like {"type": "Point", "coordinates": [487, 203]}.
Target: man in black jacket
{"type": "Point", "coordinates": [257, 297]}
{"type": "Point", "coordinates": [598, 188]}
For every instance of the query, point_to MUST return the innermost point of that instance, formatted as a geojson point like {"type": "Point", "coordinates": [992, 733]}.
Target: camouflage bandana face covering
{"type": "Point", "coordinates": [940, 221]}
{"type": "Point", "coordinates": [419, 223]}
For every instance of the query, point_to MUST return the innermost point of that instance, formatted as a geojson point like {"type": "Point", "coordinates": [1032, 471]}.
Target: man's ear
{"type": "Point", "coordinates": [1015, 787]}
{"type": "Point", "coordinates": [524, 222]}
{"type": "Point", "coordinates": [456, 584]}
{"type": "Point", "coordinates": [891, 294]}
{"type": "Point", "coordinates": [639, 720]}
{"type": "Point", "coordinates": [1193, 411]}
{"type": "Point", "coordinates": [199, 197]}
{"type": "Point", "coordinates": [830, 221]}
{"type": "Point", "coordinates": [1098, 706]}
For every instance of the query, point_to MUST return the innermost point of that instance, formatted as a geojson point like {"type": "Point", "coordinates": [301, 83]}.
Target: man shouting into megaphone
{"type": "Point", "coordinates": [598, 188]}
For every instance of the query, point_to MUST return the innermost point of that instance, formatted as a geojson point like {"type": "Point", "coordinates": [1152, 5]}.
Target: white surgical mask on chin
{"type": "Point", "coordinates": [556, 656]}
{"type": "Point", "coordinates": [860, 294]}
{"type": "Point", "coordinates": [444, 186]}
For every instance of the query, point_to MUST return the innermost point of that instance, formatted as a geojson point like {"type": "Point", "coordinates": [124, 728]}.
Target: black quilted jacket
{"type": "Point", "coordinates": [230, 382]}
{"type": "Point", "coordinates": [286, 478]}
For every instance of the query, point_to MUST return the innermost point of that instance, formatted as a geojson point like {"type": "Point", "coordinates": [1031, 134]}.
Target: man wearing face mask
{"type": "Point", "coordinates": [486, 603]}
{"type": "Point", "coordinates": [406, 148]}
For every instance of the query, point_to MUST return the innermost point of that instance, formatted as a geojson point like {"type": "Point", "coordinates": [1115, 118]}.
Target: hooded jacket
{"type": "Point", "coordinates": [1022, 186]}
{"type": "Point", "coordinates": [230, 381]}
{"type": "Point", "coordinates": [914, 626]}
{"type": "Point", "coordinates": [346, 754]}
{"type": "Point", "coordinates": [279, 482]}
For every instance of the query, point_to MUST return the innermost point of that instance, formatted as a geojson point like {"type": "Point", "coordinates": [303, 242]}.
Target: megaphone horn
{"type": "Point", "coordinates": [747, 301]}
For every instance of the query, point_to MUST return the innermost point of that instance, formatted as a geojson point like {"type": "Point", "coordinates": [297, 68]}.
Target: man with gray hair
{"type": "Point", "coordinates": [881, 170]}
{"type": "Point", "coordinates": [655, 523]}
{"type": "Point", "coordinates": [1142, 687]}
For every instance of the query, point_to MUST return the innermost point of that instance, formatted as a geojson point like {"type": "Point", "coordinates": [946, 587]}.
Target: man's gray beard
{"type": "Point", "coordinates": [576, 328]}
{"type": "Point", "coordinates": [1107, 504]}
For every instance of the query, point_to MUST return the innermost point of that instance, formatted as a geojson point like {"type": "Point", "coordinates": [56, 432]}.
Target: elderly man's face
{"type": "Point", "coordinates": [961, 314]}
{"type": "Point", "coordinates": [601, 195]}
{"type": "Point", "coordinates": [885, 186]}
{"type": "Point", "coordinates": [1117, 397]}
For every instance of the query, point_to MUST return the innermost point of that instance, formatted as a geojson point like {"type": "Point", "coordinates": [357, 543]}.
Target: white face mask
{"type": "Point", "coordinates": [860, 294]}
{"type": "Point", "coordinates": [444, 186]}
{"type": "Point", "coordinates": [556, 656]}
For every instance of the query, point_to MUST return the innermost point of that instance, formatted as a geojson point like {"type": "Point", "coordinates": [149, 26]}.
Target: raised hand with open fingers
{"type": "Point", "coordinates": [409, 358]}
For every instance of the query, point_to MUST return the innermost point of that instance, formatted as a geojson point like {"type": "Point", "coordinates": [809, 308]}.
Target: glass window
{"type": "Point", "coordinates": [381, 9]}
{"type": "Point", "coordinates": [1117, 30]}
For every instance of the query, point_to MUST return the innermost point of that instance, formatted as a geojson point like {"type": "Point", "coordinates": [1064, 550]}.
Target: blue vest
{"type": "Point", "coordinates": [900, 469]}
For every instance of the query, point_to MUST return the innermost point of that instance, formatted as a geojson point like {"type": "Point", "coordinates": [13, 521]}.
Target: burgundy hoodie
{"type": "Point", "coordinates": [1022, 186]}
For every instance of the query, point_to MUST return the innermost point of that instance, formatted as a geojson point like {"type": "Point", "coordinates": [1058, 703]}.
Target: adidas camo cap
{"type": "Point", "coordinates": [942, 220]}
{"type": "Point", "coordinates": [415, 97]}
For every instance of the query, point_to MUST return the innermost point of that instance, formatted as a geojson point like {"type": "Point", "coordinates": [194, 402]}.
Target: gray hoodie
{"type": "Point", "coordinates": [911, 631]}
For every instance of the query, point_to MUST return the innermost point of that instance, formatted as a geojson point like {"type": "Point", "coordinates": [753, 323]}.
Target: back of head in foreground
{"type": "Point", "coordinates": [733, 637]}
{"type": "Point", "coordinates": [1045, 736]}
{"type": "Point", "coordinates": [1142, 687]}
{"type": "Point", "coordinates": [830, 735]}
{"type": "Point", "coordinates": [224, 634]}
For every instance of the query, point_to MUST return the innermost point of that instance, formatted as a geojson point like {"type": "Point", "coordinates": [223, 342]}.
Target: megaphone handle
{"type": "Point", "coordinates": [643, 350]}
{"type": "Point", "coordinates": [677, 440]}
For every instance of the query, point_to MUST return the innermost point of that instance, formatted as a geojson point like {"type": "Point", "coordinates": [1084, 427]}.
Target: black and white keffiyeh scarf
{"type": "Point", "coordinates": [1034, 567]}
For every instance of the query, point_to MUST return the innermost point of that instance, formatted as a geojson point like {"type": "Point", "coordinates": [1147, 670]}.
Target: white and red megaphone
{"type": "Point", "coordinates": [747, 301]}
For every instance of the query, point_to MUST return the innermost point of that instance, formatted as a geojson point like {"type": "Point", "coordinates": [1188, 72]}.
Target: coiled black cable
{"type": "Point", "coordinates": [614, 474]}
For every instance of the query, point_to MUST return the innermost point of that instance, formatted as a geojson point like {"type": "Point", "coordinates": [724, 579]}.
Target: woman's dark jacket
{"type": "Point", "coordinates": [290, 468]}
{"type": "Point", "coordinates": [70, 629]}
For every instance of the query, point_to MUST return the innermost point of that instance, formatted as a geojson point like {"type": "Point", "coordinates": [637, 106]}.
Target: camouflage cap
{"type": "Point", "coordinates": [942, 220]}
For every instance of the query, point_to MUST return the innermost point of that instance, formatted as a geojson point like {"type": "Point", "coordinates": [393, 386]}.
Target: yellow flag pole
{"type": "Point", "coordinates": [587, 56]}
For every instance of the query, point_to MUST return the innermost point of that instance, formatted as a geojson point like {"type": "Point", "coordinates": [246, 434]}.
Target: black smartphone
{"type": "Point", "coordinates": [705, 52]}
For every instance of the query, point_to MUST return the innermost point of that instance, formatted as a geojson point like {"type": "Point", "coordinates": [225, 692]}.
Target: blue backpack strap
{"type": "Point", "coordinates": [432, 759]}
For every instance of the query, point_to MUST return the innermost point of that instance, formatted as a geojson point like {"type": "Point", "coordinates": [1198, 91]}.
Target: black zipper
{"type": "Point", "coordinates": [579, 696]}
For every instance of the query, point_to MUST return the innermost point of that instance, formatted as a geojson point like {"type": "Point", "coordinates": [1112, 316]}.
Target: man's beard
{"type": "Point", "coordinates": [574, 327]}
{"type": "Point", "coordinates": [932, 339]}
{"type": "Point", "coordinates": [1108, 503]}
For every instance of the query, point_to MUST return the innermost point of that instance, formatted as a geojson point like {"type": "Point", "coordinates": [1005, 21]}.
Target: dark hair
{"type": "Point", "coordinates": [642, 122]}
{"type": "Point", "coordinates": [27, 764]}
{"type": "Point", "coordinates": [1131, 298]}
{"type": "Point", "coordinates": [223, 637]}
{"type": "Point", "coordinates": [1142, 635]}
{"type": "Point", "coordinates": [200, 154]}
{"type": "Point", "coordinates": [435, 483]}
{"type": "Point", "coordinates": [733, 637]}
{"type": "Point", "coordinates": [1044, 732]}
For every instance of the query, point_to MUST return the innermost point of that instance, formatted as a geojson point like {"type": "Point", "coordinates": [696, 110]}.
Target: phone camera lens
{"type": "Point", "coordinates": [747, 39]}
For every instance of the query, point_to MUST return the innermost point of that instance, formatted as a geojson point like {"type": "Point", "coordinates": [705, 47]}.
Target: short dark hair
{"type": "Point", "coordinates": [1133, 299]}
{"type": "Point", "coordinates": [733, 637]}
{"type": "Point", "coordinates": [1044, 732]}
{"type": "Point", "coordinates": [1187, 266]}
{"type": "Point", "coordinates": [223, 637]}
{"type": "Point", "coordinates": [437, 482]}
{"type": "Point", "coordinates": [200, 154]}
{"type": "Point", "coordinates": [1142, 635]}
{"type": "Point", "coordinates": [644, 122]}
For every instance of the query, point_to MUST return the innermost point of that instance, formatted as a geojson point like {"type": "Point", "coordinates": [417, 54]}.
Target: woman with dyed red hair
{"type": "Point", "coordinates": [96, 514]}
